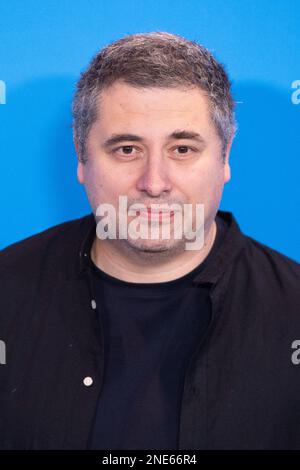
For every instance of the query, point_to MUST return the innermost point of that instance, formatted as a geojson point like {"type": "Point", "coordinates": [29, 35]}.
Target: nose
{"type": "Point", "coordinates": [154, 179]}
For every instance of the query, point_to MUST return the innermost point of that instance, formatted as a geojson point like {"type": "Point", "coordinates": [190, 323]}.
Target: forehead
{"type": "Point", "coordinates": [124, 103]}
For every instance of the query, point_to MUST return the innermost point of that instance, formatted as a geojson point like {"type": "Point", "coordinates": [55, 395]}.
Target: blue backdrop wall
{"type": "Point", "coordinates": [45, 45]}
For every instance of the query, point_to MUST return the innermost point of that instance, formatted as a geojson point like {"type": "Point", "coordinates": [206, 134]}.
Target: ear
{"type": "Point", "coordinates": [80, 165]}
{"type": "Point", "coordinates": [80, 172]}
{"type": "Point", "coordinates": [227, 170]}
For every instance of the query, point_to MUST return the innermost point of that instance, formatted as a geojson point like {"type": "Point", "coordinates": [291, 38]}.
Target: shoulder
{"type": "Point", "coordinates": [270, 260]}
{"type": "Point", "coordinates": [28, 255]}
{"type": "Point", "coordinates": [269, 273]}
{"type": "Point", "coordinates": [253, 258]}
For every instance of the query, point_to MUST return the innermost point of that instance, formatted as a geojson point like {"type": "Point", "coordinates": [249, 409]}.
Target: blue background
{"type": "Point", "coordinates": [45, 45]}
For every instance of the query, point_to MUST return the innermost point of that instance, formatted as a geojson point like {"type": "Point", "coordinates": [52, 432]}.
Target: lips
{"type": "Point", "coordinates": [156, 214]}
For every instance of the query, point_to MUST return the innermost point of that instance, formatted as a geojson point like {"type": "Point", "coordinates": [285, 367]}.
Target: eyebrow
{"type": "Point", "coordinates": [178, 134]}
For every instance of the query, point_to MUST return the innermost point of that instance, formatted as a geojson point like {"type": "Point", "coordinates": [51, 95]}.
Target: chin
{"type": "Point", "coordinates": [156, 246]}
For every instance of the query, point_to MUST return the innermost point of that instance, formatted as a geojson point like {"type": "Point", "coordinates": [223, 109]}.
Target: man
{"type": "Point", "coordinates": [116, 340]}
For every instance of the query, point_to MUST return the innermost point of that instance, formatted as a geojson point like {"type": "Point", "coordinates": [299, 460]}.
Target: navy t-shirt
{"type": "Point", "coordinates": [150, 333]}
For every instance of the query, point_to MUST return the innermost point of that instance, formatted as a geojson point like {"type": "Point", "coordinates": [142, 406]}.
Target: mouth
{"type": "Point", "coordinates": [156, 215]}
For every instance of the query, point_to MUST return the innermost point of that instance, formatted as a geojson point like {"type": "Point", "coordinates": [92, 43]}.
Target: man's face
{"type": "Point", "coordinates": [153, 160]}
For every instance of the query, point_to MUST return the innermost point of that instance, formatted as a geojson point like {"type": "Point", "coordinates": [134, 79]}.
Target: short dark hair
{"type": "Point", "coordinates": [157, 59]}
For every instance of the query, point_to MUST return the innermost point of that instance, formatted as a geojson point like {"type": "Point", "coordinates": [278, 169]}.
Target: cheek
{"type": "Point", "coordinates": [105, 185]}
{"type": "Point", "coordinates": [95, 184]}
{"type": "Point", "coordinates": [205, 184]}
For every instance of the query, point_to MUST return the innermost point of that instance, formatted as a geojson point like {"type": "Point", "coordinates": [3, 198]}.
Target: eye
{"type": "Point", "coordinates": [184, 149]}
{"type": "Point", "coordinates": [124, 150]}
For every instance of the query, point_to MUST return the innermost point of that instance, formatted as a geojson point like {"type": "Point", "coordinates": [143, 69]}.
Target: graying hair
{"type": "Point", "coordinates": [156, 59]}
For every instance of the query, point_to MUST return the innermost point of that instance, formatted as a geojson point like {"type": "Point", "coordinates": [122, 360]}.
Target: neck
{"type": "Point", "coordinates": [116, 262]}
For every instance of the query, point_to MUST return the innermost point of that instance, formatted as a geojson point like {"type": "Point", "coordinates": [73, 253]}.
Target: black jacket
{"type": "Point", "coordinates": [241, 391]}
